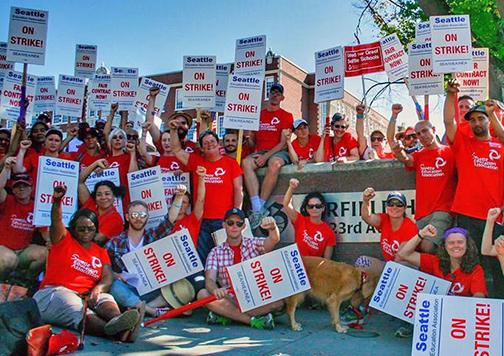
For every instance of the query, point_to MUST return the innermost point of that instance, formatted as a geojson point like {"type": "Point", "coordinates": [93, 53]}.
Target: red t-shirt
{"type": "Point", "coordinates": [307, 152]}
{"type": "Point", "coordinates": [16, 221]}
{"type": "Point", "coordinates": [110, 222]}
{"type": "Point", "coordinates": [271, 124]}
{"type": "Point", "coordinates": [341, 149]}
{"type": "Point", "coordinates": [72, 266]}
{"type": "Point", "coordinates": [463, 284]}
{"type": "Point", "coordinates": [236, 253]}
{"type": "Point", "coordinates": [121, 161]}
{"type": "Point", "coordinates": [31, 163]}
{"type": "Point", "coordinates": [85, 159]}
{"type": "Point", "coordinates": [391, 240]}
{"type": "Point", "coordinates": [480, 168]}
{"type": "Point", "coordinates": [435, 180]}
{"type": "Point", "coordinates": [312, 239]}
{"type": "Point", "coordinates": [190, 223]}
{"type": "Point", "coordinates": [219, 186]}
{"type": "Point", "coordinates": [170, 163]}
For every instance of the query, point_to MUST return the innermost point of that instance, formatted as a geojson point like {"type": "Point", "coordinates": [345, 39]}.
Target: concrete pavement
{"type": "Point", "coordinates": [192, 336]}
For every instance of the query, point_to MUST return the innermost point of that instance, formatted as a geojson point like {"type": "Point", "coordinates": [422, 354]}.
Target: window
{"type": "Point", "coordinates": [268, 82]}
{"type": "Point", "coordinates": [178, 99]}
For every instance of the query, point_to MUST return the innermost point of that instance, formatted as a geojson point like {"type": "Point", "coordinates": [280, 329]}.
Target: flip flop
{"type": "Point", "coordinates": [125, 321]}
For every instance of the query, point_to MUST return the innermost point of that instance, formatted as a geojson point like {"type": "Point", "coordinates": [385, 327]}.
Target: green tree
{"type": "Point", "coordinates": [487, 25]}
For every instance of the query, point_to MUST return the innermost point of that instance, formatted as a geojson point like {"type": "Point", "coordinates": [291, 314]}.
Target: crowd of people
{"type": "Point", "coordinates": [459, 196]}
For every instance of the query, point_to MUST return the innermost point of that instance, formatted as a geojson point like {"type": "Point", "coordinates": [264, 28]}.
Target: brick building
{"type": "Point", "coordinates": [299, 95]}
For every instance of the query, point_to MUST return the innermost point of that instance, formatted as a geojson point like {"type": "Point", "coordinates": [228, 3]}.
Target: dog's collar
{"type": "Point", "coordinates": [363, 279]}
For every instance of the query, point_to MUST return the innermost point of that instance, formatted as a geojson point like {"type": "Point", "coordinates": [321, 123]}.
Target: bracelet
{"type": "Point", "coordinates": [360, 116]}
{"type": "Point", "coordinates": [420, 236]}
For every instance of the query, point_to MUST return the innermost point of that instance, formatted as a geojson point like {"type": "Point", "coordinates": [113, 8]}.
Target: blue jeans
{"type": "Point", "coordinates": [205, 240]}
{"type": "Point", "coordinates": [127, 296]}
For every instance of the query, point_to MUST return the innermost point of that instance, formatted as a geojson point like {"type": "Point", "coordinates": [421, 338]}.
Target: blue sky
{"type": "Point", "coordinates": [154, 35]}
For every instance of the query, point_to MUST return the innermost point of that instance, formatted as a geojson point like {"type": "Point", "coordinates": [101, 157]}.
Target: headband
{"type": "Point", "coordinates": [455, 230]}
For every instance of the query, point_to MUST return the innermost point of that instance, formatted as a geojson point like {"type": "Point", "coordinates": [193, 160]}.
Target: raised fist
{"type": "Point", "coordinates": [428, 231]}
{"type": "Point", "coordinates": [293, 183]}
{"type": "Point", "coordinates": [368, 194]}
{"type": "Point", "coordinates": [268, 223]}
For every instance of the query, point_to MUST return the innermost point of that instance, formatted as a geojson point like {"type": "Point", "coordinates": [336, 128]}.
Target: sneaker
{"type": "Point", "coordinates": [349, 316]}
{"type": "Point", "coordinates": [263, 322]}
{"type": "Point", "coordinates": [135, 332]}
{"type": "Point", "coordinates": [404, 331]}
{"type": "Point", "coordinates": [123, 322]}
{"type": "Point", "coordinates": [255, 218]}
{"type": "Point", "coordinates": [216, 319]}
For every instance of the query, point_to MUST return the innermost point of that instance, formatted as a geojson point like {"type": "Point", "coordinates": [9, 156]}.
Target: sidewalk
{"type": "Point", "coordinates": [192, 336]}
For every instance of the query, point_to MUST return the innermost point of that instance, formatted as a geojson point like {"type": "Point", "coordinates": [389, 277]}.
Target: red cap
{"type": "Point", "coordinates": [63, 343]}
{"type": "Point", "coordinates": [409, 131]}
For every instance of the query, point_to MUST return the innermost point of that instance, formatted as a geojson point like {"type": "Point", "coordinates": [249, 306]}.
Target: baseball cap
{"type": "Point", "coordinates": [397, 196]}
{"type": "Point", "coordinates": [409, 131]}
{"type": "Point", "coordinates": [235, 211]}
{"type": "Point", "coordinates": [377, 132]}
{"type": "Point", "coordinates": [21, 178]}
{"type": "Point", "coordinates": [299, 122]}
{"type": "Point", "coordinates": [54, 132]}
{"type": "Point", "coordinates": [277, 86]}
{"type": "Point", "coordinates": [475, 108]}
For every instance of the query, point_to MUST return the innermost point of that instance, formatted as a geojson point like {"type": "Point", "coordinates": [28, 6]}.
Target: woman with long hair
{"type": "Point", "coordinates": [101, 201]}
{"type": "Point", "coordinates": [313, 235]}
{"type": "Point", "coordinates": [78, 269]}
{"type": "Point", "coordinates": [456, 260]}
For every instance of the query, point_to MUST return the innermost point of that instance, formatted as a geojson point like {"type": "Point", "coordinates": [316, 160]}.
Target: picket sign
{"type": "Point", "coordinates": [475, 83]}
{"type": "Point", "coordinates": [163, 262]}
{"type": "Point", "coordinates": [395, 58]}
{"type": "Point", "coordinates": [198, 81]}
{"type": "Point", "coordinates": [85, 60]}
{"type": "Point", "coordinates": [100, 92]}
{"type": "Point", "coordinates": [10, 100]}
{"type": "Point", "coordinates": [124, 85]}
{"type": "Point", "coordinates": [70, 97]}
{"type": "Point", "coordinates": [110, 174]}
{"type": "Point", "coordinates": [27, 35]}
{"type": "Point", "coordinates": [221, 84]}
{"type": "Point", "coordinates": [146, 185]}
{"type": "Point", "coordinates": [171, 180]}
{"type": "Point", "coordinates": [329, 75]}
{"type": "Point", "coordinates": [362, 59]}
{"type": "Point", "coordinates": [422, 80]}
{"type": "Point", "coordinates": [451, 43]}
{"type": "Point", "coordinates": [54, 172]}
{"type": "Point", "coordinates": [45, 94]}
{"type": "Point", "coordinates": [267, 278]}
{"type": "Point", "coordinates": [450, 325]}
{"type": "Point", "coordinates": [398, 289]}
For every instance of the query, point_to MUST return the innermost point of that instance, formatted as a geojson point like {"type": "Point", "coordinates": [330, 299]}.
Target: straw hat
{"type": "Point", "coordinates": [179, 293]}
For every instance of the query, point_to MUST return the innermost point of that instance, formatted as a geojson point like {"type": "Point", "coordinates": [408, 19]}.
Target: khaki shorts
{"type": "Point", "coordinates": [441, 220]}
{"type": "Point", "coordinates": [283, 154]}
{"type": "Point", "coordinates": [63, 307]}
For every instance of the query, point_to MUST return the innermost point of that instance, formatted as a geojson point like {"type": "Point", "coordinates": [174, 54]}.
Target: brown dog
{"type": "Point", "coordinates": [332, 283]}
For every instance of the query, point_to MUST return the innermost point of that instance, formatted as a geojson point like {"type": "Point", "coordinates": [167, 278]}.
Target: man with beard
{"type": "Point", "coordinates": [480, 166]}
{"type": "Point", "coordinates": [183, 120]}
{"type": "Point", "coordinates": [16, 219]}
{"type": "Point", "coordinates": [135, 237]}
{"type": "Point", "coordinates": [435, 182]}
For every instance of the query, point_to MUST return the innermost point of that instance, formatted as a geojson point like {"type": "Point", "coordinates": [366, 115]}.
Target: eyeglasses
{"type": "Point", "coordinates": [410, 137]}
{"type": "Point", "coordinates": [139, 214]}
{"type": "Point", "coordinates": [314, 206]}
{"type": "Point", "coordinates": [119, 137]}
{"type": "Point", "coordinates": [85, 229]}
{"type": "Point", "coordinates": [343, 127]}
{"type": "Point", "coordinates": [232, 223]}
{"type": "Point", "coordinates": [377, 138]}
{"type": "Point", "coordinates": [391, 204]}
{"type": "Point", "coordinates": [132, 137]}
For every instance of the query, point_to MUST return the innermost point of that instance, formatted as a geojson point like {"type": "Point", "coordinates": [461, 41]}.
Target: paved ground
{"type": "Point", "coordinates": [192, 336]}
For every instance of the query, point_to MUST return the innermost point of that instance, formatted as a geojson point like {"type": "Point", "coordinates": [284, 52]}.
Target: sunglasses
{"type": "Point", "coordinates": [132, 137]}
{"type": "Point", "coordinates": [410, 137]}
{"type": "Point", "coordinates": [85, 229]}
{"type": "Point", "coordinates": [237, 223]}
{"type": "Point", "coordinates": [391, 204]}
{"type": "Point", "coordinates": [138, 214]}
{"type": "Point", "coordinates": [314, 206]}
{"type": "Point", "coordinates": [343, 127]}
{"type": "Point", "coordinates": [120, 137]}
{"type": "Point", "coordinates": [377, 138]}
